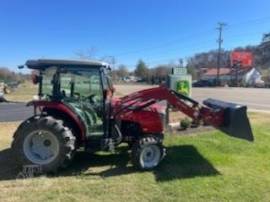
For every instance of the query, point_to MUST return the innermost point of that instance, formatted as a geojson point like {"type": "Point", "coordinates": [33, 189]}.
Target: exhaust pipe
{"type": "Point", "coordinates": [236, 122]}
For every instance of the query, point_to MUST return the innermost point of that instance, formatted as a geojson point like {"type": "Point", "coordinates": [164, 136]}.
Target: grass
{"type": "Point", "coordinates": [206, 167]}
{"type": "Point", "coordinates": [23, 93]}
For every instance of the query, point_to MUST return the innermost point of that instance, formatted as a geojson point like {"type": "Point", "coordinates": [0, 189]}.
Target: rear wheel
{"type": "Point", "coordinates": [44, 141]}
{"type": "Point", "coordinates": [147, 152]}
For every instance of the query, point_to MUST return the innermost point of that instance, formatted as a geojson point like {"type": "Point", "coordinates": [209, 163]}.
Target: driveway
{"type": "Point", "coordinates": [255, 98]}
{"type": "Point", "coordinates": [14, 111]}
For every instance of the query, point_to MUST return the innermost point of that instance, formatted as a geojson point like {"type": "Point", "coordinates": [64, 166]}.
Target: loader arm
{"type": "Point", "coordinates": [228, 117]}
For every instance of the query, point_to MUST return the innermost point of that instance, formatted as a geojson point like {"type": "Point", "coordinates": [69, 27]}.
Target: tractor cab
{"type": "Point", "coordinates": [84, 87]}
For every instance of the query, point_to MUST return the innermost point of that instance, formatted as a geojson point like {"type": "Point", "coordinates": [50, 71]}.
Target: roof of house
{"type": "Point", "coordinates": [225, 71]}
{"type": "Point", "coordinates": [213, 71]}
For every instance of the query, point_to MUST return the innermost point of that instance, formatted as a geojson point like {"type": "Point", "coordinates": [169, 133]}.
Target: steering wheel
{"type": "Point", "coordinates": [77, 95]}
{"type": "Point", "coordinates": [91, 98]}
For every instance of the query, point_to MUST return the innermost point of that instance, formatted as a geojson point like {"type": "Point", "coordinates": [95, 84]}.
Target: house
{"type": "Point", "coordinates": [245, 76]}
{"type": "Point", "coordinates": [265, 45]}
{"type": "Point", "coordinates": [210, 74]}
{"type": "Point", "coordinates": [266, 38]}
{"type": "Point", "coordinates": [253, 78]}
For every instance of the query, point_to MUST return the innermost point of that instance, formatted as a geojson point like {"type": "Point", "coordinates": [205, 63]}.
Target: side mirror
{"type": "Point", "coordinates": [113, 89]}
{"type": "Point", "coordinates": [35, 79]}
{"type": "Point", "coordinates": [20, 66]}
{"type": "Point", "coordinates": [105, 92]}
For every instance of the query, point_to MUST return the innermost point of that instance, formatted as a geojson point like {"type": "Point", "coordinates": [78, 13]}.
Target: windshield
{"type": "Point", "coordinates": [71, 83]}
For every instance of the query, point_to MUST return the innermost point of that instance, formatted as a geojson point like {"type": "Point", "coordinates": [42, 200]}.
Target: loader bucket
{"type": "Point", "coordinates": [236, 122]}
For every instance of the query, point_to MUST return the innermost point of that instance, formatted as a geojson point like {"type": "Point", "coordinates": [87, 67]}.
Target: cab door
{"type": "Point", "coordinates": [107, 98]}
{"type": "Point", "coordinates": [82, 90]}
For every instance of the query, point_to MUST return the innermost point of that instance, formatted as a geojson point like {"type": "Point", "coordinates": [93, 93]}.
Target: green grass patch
{"type": "Point", "coordinates": [203, 167]}
{"type": "Point", "coordinates": [23, 93]}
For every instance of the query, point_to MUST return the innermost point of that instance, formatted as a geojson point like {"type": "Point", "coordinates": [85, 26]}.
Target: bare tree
{"type": "Point", "coordinates": [122, 71]}
{"type": "Point", "coordinates": [109, 59]}
{"type": "Point", "coordinates": [87, 54]}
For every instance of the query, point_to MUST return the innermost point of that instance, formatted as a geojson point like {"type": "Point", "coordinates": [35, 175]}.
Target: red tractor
{"type": "Point", "coordinates": [75, 108]}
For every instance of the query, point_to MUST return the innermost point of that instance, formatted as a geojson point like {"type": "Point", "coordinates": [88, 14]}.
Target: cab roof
{"type": "Point", "coordinates": [42, 64]}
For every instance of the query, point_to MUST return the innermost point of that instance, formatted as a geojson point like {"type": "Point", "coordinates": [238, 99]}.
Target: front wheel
{"type": "Point", "coordinates": [147, 152]}
{"type": "Point", "coordinates": [44, 141]}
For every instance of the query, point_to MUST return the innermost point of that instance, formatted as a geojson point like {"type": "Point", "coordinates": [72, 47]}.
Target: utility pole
{"type": "Point", "coordinates": [220, 41]}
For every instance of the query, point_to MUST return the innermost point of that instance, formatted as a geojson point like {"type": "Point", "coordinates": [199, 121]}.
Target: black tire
{"type": "Point", "coordinates": [65, 141]}
{"type": "Point", "coordinates": [139, 147]}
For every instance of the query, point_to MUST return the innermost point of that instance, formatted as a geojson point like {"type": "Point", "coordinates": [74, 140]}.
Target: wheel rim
{"type": "Point", "coordinates": [150, 156]}
{"type": "Point", "coordinates": [41, 147]}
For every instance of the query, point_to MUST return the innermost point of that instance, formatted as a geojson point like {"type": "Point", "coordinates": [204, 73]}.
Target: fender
{"type": "Point", "coordinates": [42, 105]}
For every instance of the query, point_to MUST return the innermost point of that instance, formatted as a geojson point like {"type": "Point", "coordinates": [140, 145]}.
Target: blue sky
{"type": "Point", "coordinates": [157, 31]}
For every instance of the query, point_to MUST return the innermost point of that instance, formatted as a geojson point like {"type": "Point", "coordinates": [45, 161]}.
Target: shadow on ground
{"type": "Point", "coordinates": [180, 162]}
{"type": "Point", "coordinates": [8, 168]}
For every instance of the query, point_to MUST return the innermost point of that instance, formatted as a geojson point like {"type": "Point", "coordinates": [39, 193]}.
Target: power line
{"type": "Point", "coordinates": [166, 44]}
{"type": "Point", "coordinates": [189, 46]}
{"type": "Point", "coordinates": [255, 20]}
{"type": "Point", "coordinates": [161, 46]}
{"type": "Point", "coordinates": [220, 41]}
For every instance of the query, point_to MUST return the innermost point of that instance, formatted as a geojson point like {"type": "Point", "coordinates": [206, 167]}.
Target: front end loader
{"type": "Point", "coordinates": [76, 109]}
{"type": "Point", "coordinates": [228, 117]}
